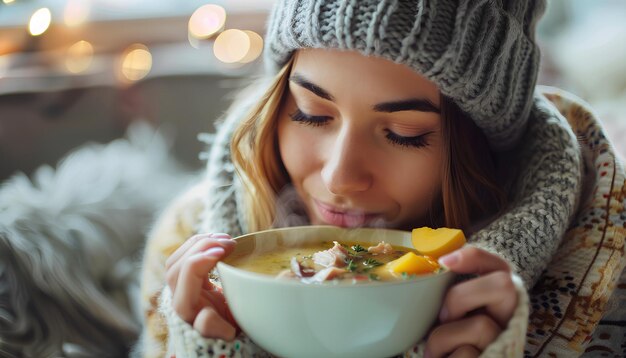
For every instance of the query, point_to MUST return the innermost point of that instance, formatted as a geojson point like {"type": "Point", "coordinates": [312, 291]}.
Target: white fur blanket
{"type": "Point", "coordinates": [70, 243]}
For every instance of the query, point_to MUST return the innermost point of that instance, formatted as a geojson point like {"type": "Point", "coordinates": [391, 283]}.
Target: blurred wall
{"type": "Point", "coordinates": [40, 127]}
{"type": "Point", "coordinates": [583, 46]}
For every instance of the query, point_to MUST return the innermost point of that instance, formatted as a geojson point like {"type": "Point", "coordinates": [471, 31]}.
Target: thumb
{"type": "Point", "coordinates": [472, 260]}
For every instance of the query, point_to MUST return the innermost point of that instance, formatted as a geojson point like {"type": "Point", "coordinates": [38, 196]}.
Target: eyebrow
{"type": "Point", "coordinates": [304, 83]}
{"type": "Point", "coordinates": [412, 104]}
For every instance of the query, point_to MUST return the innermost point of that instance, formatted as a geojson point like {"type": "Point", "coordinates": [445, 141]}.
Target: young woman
{"type": "Point", "coordinates": [394, 114]}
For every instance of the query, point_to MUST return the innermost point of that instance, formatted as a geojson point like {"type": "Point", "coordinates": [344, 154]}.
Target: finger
{"type": "Point", "coordinates": [474, 260]}
{"type": "Point", "coordinates": [495, 292]}
{"type": "Point", "coordinates": [189, 243]}
{"type": "Point", "coordinates": [478, 331]}
{"type": "Point", "coordinates": [211, 325]}
{"type": "Point", "coordinates": [465, 351]}
{"type": "Point", "coordinates": [216, 299]}
{"type": "Point", "coordinates": [193, 273]}
{"type": "Point", "coordinates": [201, 245]}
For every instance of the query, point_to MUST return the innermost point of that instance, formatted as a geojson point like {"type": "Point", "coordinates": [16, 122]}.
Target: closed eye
{"type": "Point", "coordinates": [416, 141]}
{"type": "Point", "coordinates": [396, 139]}
{"type": "Point", "coordinates": [316, 121]}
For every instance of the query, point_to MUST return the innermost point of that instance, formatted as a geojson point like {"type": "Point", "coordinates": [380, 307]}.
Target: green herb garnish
{"type": "Point", "coordinates": [373, 277]}
{"type": "Point", "coordinates": [351, 266]}
{"type": "Point", "coordinates": [372, 262]}
{"type": "Point", "coordinates": [358, 248]}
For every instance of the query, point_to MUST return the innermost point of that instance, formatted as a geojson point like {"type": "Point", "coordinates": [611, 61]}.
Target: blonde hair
{"type": "Point", "coordinates": [255, 154]}
{"type": "Point", "coordinates": [470, 189]}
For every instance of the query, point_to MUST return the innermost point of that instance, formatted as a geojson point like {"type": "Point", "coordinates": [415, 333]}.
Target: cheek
{"type": "Point", "coordinates": [417, 184]}
{"type": "Point", "coordinates": [297, 150]}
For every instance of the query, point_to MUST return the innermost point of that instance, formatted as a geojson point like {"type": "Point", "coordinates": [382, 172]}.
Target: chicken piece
{"type": "Point", "coordinates": [333, 257]}
{"type": "Point", "coordinates": [382, 248]}
{"type": "Point", "coordinates": [326, 274]}
{"type": "Point", "coordinates": [299, 270]}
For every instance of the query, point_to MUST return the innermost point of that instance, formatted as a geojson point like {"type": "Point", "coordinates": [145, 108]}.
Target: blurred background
{"type": "Point", "coordinates": [77, 71]}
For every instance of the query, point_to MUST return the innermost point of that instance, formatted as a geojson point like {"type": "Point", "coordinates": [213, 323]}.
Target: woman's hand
{"type": "Point", "coordinates": [475, 311]}
{"type": "Point", "coordinates": [195, 299]}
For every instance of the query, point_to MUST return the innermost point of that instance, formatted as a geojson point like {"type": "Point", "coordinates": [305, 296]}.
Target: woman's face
{"type": "Point", "coordinates": [361, 140]}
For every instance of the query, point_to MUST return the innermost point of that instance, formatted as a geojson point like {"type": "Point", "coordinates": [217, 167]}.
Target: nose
{"type": "Point", "coordinates": [345, 170]}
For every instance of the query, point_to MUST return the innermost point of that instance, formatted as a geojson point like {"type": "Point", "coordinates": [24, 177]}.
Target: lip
{"type": "Point", "coordinates": [343, 218]}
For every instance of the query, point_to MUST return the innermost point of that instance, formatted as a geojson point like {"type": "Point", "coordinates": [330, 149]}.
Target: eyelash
{"type": "Point", "coordinates": [318, 121]}
{"type": "Point", "coordinates": [315, 121]}
{"type": "Point", "coordinates": [415, 142]}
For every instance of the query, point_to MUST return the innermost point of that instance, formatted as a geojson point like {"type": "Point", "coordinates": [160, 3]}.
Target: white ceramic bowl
{"type": "Point", "coordinates": [293, 319]}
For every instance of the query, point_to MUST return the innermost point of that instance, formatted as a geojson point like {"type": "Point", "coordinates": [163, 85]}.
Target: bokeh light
{"type": "Point", "coordinates": [237, 46]}
{"type": "Point", "coordinates": [79, 57]}
{"type": "Point", "coordinates": [231, 46]}
{"type": "Point", "coordinates": [40, 21]}
{"type": "Point", "coordinates": [8, 1]}
{"type": "Point", "coordinates": [206, 21]}
{"type": "Point", "coordinates": [136, 63]}
{"type": "Point", "coordinates": [256, 47]}
{"type": "Point", "coordinates": [76, 12]}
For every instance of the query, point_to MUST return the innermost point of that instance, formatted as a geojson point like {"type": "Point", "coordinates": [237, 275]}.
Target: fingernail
{"type": "Point", "coordinates": [226, 241]}
{"type": "Point", "coordinates": [214, 252]}
{"type": "Point", "coordinates": [220, 235]}
{"type": "Point", "coordinates": [450, 259]}
{"type": "Point", "coordinates": [443, 314]}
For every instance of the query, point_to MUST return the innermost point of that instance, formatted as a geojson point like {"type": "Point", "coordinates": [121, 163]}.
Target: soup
{"type": "Point", "coordinates": [334, 261]}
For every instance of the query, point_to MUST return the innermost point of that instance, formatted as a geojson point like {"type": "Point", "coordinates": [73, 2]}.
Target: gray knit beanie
{"type": "Point", "coordinates": [481, 53]}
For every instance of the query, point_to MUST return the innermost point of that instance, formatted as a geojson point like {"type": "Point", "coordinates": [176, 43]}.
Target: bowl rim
{"type": "Point", "coordinates": [250, 275]}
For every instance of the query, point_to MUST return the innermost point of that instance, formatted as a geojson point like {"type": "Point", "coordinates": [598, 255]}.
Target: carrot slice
{"type": "Point", "coordinates": [412, 264]}
{"type": "Point", "coordinates": [436, 243]}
